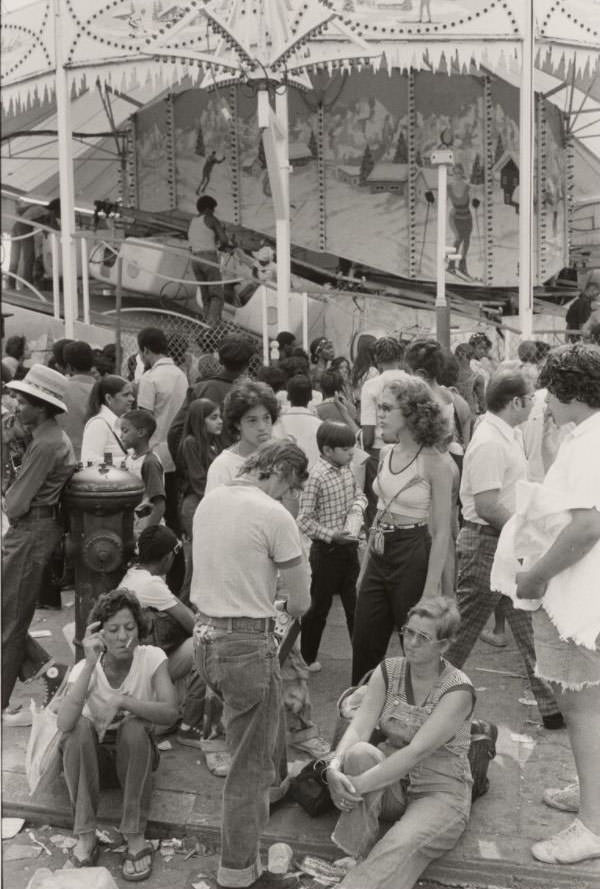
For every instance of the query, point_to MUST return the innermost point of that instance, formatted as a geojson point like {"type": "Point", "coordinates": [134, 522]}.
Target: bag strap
{"type": "Point", "coordinates": [117, 439]}
{"type": "Point", "coordinates": [413, 481]}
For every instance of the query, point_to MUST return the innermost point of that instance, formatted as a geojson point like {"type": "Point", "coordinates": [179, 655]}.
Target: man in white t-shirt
{"type": "Point", "coordinates": [494, 463]}
{"type": "Point", "coordinates": [299, 423]}
{"type": "Point", "coordinates": [242, 539]}
{"type": "Point", "coordinates": [388, 358]}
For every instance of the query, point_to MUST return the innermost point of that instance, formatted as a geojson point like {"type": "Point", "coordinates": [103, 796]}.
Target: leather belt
{"type": "Point", "coordinates": [485, 530]}
{"type": "Point", "coordinates": [239, 624]}
{"type": "Point", "coordinates": [388, 526]}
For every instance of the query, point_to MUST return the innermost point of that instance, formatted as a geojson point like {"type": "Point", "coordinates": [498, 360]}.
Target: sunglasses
{"type": "Point", "coordinates": [418, 637]}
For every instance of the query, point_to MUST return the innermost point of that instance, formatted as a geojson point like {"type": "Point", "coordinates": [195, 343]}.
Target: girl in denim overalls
{"type": "Point", "coordinates": [419, 776]}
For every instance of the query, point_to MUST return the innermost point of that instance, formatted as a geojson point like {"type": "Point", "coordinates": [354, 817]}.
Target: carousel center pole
{"type": "Point", "coordinates": [442, 159]}
{"type": "Point", "coordinates": [65, 176]}
{"type": "Point", "coordinates": [526, 151]}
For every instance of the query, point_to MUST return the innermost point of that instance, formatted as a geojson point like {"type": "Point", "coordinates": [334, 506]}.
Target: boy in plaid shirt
{"type": "Point", "coordinates": [330, 493]}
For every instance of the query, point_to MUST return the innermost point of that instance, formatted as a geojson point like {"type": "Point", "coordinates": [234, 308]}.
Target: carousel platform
{"type": "Point", "coordinates": [495, 848]}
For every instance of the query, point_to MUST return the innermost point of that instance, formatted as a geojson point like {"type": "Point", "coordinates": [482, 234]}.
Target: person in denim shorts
{"type": "Point", "coordinates": [565, 579]}
{"type": "Point", "coordinates": [243, 538]}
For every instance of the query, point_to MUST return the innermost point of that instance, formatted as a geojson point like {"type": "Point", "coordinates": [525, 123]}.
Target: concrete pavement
{"type": "Point", "coordinates": [495, 848]}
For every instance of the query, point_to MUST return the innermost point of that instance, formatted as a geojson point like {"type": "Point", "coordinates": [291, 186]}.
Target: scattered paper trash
{"type": "Point", "coordinates": [40, 634]}
{"type": "Point", "coordinates": [63, 842]}
{"type": "Point", "coordinates": [200, 884]}
{"type": "Point", "coordinates": [72, 878]}
{"type": "Point", "coordinates": [164, 745]}
{"type": "Point", "coordinates": [529, 702]}
{"type": "Point", "coordinates": [11, 827]}
{"type": "Point", "coordinates": [280, 858]}
{"type": "Point", "coordinates": [521, 739]}
{"type": "Point", "coordinates": [69, 633]}
{"type": "Point", "coordinates": [322, 871]}
{"type": "Point", "coordinates": [17, 851]}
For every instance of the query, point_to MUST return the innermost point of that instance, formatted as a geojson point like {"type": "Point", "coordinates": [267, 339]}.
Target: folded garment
{"type": "Point", "coordinates": [572, 598]}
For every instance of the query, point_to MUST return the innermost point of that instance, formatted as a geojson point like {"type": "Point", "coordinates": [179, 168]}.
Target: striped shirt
{"type": "Point", "coordinates": [328, 496]}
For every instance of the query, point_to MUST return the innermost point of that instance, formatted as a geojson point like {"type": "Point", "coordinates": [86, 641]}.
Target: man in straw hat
{"type": "Point", "coordinates": [31, 505]}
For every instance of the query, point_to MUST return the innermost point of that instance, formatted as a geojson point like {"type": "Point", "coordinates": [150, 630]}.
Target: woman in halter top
{"type": "Point", "coordinates": [404, 561]}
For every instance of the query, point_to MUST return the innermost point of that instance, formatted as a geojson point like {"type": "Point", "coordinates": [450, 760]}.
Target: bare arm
{"type": "Point", "coordinates": [440, 477]}
{"type": "Point", "coordinates": [295, 587]}
{"type": "Point", "coordinates": [572, 544]}
{"type": "Point", "coordinates": [164, 710]}
{"type": "Point", "coordinates": [489, 508]}
{"type": "Point", "coordinates": [183, 615]}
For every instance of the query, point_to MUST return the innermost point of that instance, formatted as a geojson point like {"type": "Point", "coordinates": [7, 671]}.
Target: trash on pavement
{"type": "Point", "coordinates": [40, 634]}
{"type": "Point", "coordinates": [63, 842]}
{"type": "Point", "coordinates": [72, 878]}
{"type": "Point", "coordinates": [11, 827]}
{"type": "Point", "coordinates": [164, 745]}
{"type": "Point", "coordinates": [17, 851]}
{"type": "Point", "coordinates": [200, 884]}
{"type": "Point", "coordinates": [322, 870]}
{"type": "Point", "coordinates": [280, 858]}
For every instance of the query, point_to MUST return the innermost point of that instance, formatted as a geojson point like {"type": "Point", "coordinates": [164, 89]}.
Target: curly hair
{"type": "Point", "coordinates": [573, 373]}
{"type": "Point", "coordinates": [281, 455]}
{"type": "Point", "coordinates": [427, 358]}
{"type": "Point", "coordinates": [241, 398]}
{"type": "Point", "coordinates": [422, 413]}
{"type": "Point", "coordinates": [109, 604]}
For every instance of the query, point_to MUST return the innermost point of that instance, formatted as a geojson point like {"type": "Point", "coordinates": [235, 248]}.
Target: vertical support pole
{"type": "Point", "coordinates": [542, 190]}
{"type": "Point", "coordinates": [234, 154]}
{"type": "Point", "coordinates": [170, 151]}
{"type": "Point", "coordinates": [442, 312]}
{"type": "Point", "coordinates": [282, 225]}
{"type": "Point", "coordinates": [322, 182]}
{"type": "Point", "coordinates": [264, 324]}
{"type": "Point", "coordinates": [305, 321]}
{"type": "Point", "coordinates": [131, 191]}
{"type": "Point", "coordinates": [85, 281]}
{"type": "Point", "coordinates": [55, 275]}
{"type": "Point", "coordinates": [526, 157]}
{"type": "Point", "coordinates": [570, 189]}
{"type": "Point", "coordinates": [118, 306]}
{"type": "Point", "coordinates": [65, 175]}
{"type": "Point", "coordinates": [412, 176]}
{"type": "Point", "coordinates": [488, 201]}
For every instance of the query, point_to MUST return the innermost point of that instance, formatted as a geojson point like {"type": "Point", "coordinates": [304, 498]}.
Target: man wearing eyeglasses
{"type": "Point", "coordinates": [243, 539]}
{"type": "Point", "coordinates": [494, 462]}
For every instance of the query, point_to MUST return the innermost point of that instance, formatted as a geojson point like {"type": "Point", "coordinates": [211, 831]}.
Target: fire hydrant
{"type": "Point", "coordinates": [100, 500]}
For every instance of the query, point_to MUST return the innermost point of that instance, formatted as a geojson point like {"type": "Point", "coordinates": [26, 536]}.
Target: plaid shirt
{"type": "Point", "coordinates": [329, 494]}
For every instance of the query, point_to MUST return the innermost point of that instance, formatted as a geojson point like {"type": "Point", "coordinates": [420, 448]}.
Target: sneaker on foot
{"type": "Point", "coordinates": [315, 667]}
{"type": "Point", "coordinates": [190, 737]}
{"type": "Point", "coordinates": [315, 747]}
{"type": "Point", "coordinates": [498, 640]}
{"type": "Point", "coordinates": [53, 679]}
{"type": "Point", "coordinates": [565, 799]}
{"type": "Point", "coordinates": [16, 717]}
{"type": "Point", "coordinates": [575, 843]}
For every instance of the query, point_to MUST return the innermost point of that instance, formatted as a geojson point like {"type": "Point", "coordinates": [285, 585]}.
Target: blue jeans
{"type": "Point", "coordinates": [243, 670]}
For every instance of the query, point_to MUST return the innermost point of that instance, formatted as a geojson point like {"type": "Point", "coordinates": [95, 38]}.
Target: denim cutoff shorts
{"type": "Point", "coordinates": [563, 661]}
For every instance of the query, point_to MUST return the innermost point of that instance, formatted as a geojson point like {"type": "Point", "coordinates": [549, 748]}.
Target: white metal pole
{"type": "Point", "coordinates": [441, 306]}
{"type": "Point", "coordinates": [55, 275]}
{"type": "Point", "coordinates": [282, 224]}
{"type": "Point", "coordinates": [85, 281]}
{"type": "Point", "coordinates": [65, 175]}
{"type": "Point", "coordinates": [305, 321]}
{"type": "Point", "coordinates": [526, 152]}
{"type": "Point", "coordinates": [265, 323]}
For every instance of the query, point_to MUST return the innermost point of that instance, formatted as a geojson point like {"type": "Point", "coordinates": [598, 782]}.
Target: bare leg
{"type": "Point", "coordinates": [581, 710]}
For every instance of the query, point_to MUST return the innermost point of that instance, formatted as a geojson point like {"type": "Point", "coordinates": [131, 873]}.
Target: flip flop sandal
{"type": "Point", "coordinates": [137, 876]}
{"type": "Point", "coordinates": [90, 861]}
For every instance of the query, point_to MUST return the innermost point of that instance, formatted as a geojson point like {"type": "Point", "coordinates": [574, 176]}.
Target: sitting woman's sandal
{"type": "Point", "coordinates": [137, 876]}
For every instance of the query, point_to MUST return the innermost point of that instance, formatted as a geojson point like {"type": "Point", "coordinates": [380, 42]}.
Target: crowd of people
{"type": "Point", "coordinates": [430, 491]}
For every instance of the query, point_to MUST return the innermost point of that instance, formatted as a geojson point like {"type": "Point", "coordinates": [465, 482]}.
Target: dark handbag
{"type": "Point", "coordinates": [481, 752]}
{"type": "Point", "coordinates": [163, 630]}
{"type": "Point", "coordinates": [309, 789]}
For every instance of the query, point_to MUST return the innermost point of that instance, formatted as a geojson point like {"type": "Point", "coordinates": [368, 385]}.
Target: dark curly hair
{"type": "Point", "coordinates": [241, 398]}
{"type": "Point", "coordinates": [427, 358]}
{"type": "Point", "coordinates": [422, 413]}
{"type": "Point", "coordinates": [278, 456]}
{"type": "Point", "coordinates": [573, 372]}
{"type": "Point", "coordinates": [108, 604]}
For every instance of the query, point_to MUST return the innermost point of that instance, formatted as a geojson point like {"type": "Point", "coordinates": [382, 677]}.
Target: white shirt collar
{"type": "Point", "coordinates": [501, 425]}
{"type": "Point", "coordinates": [590, 424]}
{"type": "Point", "coordinates": [108, 415]}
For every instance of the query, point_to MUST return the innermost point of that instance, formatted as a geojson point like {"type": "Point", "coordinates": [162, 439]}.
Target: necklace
{"type": "Point", "coordinates": [410, 462]}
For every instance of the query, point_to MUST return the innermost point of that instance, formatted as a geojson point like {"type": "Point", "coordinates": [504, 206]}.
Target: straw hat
{"type": "Point", "coordinates": [44, 383]}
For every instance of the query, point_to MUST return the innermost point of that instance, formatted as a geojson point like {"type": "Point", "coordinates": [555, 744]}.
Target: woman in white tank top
{"type": "Point", "coordinates": [404, 562]}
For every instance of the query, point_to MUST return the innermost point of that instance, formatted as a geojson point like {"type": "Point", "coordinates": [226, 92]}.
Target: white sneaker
{"type": "Point", "coordinates": [575, 843]}
{"type": "Point", "coordinates": [315, 747]}
{"type": "Point", "coordinates": [315, 667]}
{"type": "Point", "coordinates": [566, 799]}
{"type": "Point", "coordinates": [18, 717]}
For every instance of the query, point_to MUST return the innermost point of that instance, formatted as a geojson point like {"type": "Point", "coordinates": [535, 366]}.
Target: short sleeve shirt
{"type": "Point", "coordinates": [240, 536]}
{"type": "Point", "coordinates": [223, 469]}
{"type": "Point", "coordinates": [494, 461]}
{"type": "Point", "coordinates": [150, 589]}
{"type": "Point", "coordinates": [575, 474]}
{"type": "Point", "coordinates": [162, 390]}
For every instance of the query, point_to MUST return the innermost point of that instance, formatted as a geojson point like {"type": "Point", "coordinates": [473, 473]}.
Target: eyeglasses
{"type": "Point", "coordinates": [407, 633]}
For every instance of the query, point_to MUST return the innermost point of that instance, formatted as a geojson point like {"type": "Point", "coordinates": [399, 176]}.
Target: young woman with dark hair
{"type": "Point", "coordinates": [110, 398]}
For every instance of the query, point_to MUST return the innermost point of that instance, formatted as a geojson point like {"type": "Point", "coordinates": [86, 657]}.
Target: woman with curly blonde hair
{"type": "Point", "coordinates": [404, 560]}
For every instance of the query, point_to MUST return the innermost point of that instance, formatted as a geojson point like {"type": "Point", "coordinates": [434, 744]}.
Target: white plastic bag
{"type": "Point", "coordinates": [75, 878]}
{"type": "Point", "coordinates": [42, 757]}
